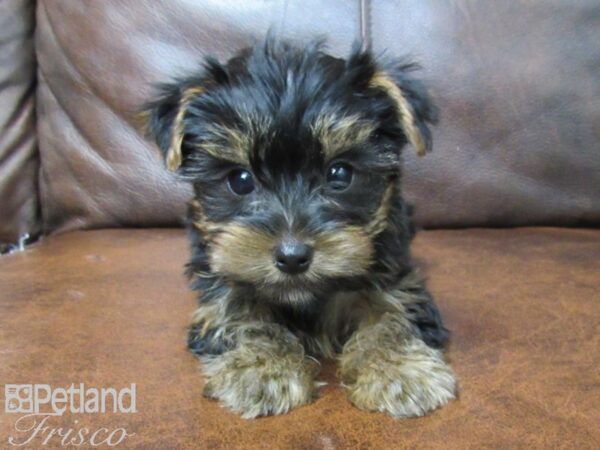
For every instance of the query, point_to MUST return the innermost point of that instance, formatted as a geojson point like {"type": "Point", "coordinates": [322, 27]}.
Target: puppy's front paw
{"type": "Point", "coordinates": [253, 385]}
{"type": "Point", "coordinates": [405, 382]}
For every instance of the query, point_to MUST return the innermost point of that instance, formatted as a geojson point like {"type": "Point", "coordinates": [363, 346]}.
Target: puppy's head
{"type": "Point", "coordinates": [295, 158]}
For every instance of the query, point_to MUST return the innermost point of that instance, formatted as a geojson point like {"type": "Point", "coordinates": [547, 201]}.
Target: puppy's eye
{"type": "Point", "coordinates": [241, 181]}
{"type": "Point", "coordinates": [339, 176]}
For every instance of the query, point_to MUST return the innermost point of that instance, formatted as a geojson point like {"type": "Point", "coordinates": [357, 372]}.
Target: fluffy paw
{"type": "Point", "coordinates": [405, 382]}
{"type": "Point", "coordinates": [253, 385]}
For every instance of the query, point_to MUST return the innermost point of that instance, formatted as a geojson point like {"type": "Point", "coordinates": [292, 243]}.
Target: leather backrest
{"type": "Point", "coordinates": [98, 64]}
{"type": "Point", "coordinates": [517, 83]}
{"type": "Point", "coordinates": [18, 152]}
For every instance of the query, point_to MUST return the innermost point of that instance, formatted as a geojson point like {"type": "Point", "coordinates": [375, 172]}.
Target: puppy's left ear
{"type": "Point", "coordinates": [414, 106]}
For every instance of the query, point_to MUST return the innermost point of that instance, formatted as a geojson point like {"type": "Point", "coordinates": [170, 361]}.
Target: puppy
{"type": "Point", "coordinates": [299, 233]}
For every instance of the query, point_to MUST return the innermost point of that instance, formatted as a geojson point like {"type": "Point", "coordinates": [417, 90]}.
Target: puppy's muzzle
{"type": "Point", "coordinates": [292, 256]}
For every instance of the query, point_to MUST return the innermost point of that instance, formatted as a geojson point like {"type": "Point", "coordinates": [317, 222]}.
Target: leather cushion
{"type": "Point", "coordinates": [110, 308]}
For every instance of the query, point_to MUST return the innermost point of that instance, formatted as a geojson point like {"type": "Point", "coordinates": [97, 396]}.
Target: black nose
{"type": "Point", "coordinates": [293, 257]}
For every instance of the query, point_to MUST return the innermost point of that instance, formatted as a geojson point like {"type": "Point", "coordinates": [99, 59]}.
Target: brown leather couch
{"type": "Point", "coordinates": [509, 200]}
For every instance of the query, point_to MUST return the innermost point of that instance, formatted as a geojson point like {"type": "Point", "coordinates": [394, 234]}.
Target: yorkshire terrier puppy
{"type": "Point", "coordinates": [299, 233]}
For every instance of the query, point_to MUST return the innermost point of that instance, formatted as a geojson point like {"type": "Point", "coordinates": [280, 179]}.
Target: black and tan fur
{"type": "Point", "coordinates": [289, 144]}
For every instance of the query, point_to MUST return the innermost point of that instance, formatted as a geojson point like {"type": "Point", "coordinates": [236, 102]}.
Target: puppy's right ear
{"type": "Point", "coordinates": [164, 120]}
{"type": "Point", "coordinates": [165, 117]}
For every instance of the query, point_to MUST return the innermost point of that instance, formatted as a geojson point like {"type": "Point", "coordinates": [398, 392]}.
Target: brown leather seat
{"type": "Point", "coordinates": [518, 84]}
{"type": "Point", "coordinates": [110, 308]}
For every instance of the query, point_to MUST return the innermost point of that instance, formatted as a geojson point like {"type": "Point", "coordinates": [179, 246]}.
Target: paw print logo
{"type": "Point", "coordinates": [18, 398]}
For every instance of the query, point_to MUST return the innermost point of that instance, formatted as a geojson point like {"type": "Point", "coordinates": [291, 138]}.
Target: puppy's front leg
{"type": "Point", "coordinates": [387, 367]}
{"type": "Point", "coordinates": [264, 371]}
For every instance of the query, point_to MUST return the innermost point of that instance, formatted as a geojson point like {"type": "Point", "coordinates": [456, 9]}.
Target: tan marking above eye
{"type": "Point", "coordinates": [337, 134]}
{"type": "Point", "coordinates": [229, 143]}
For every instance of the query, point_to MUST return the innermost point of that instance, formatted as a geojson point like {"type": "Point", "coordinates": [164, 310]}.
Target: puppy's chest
{"type": "Point", "coordinates": [334, 316]}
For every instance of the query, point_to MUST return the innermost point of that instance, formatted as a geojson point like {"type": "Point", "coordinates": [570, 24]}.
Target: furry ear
{"type": "Point", "coordinates": [413, 104]}
{"type": "Point", "coordinates": [164, 120]}
{"type": "Point", "coordinates": [164, 117]}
